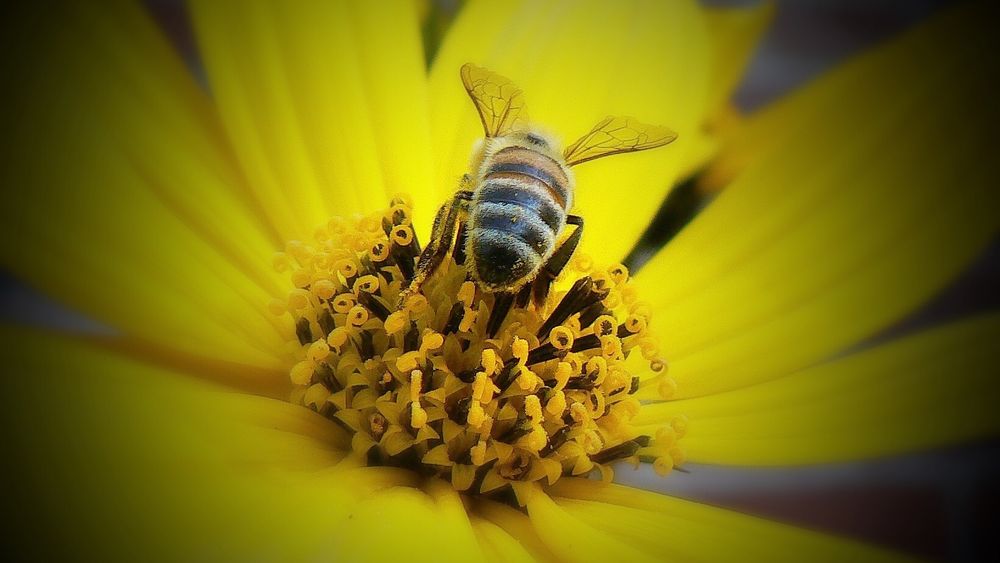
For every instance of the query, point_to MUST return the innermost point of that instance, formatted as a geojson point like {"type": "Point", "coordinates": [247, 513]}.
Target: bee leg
{"type": "Point", "coordinates": [551, 270]}
{"type": "Point", "coordinates": [442, 236]}
{"type": "Point", "coordinates": [459, 254]}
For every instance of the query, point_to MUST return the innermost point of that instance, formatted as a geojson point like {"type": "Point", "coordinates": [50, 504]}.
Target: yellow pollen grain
{"type": "Point", "coordinates": [618, 274]}
{"type": "Point", "coordinates": [378, 424]}
{"type": "Point", "coordinates": [395, 321]}
{"type": "Point", "coordinates": [561, 337]}
{"type": "Point", "coordinates": [599, 407]}
{"type": "Point", "coordinates": [418, 416]}
{"type": "Point", "coordinates": [318, 350]}
{"type": "Point", "coordinates": [519, 349]}
{"type": "Point", "coordinates": [416, 304]}
{"type": "Point", "coordinates": [479, 387]}
{"type": "Point", "coordinates": [563, 371]}
{"type": "Point", "coordinates": [663, 465]}
{"type": "Point", "coordinates": [408, 361]}
{"type": "Point", "coordinates": [476, 414]}
{"type": "Point", "coordinates": [416, 382]}
{"type": "Point", "coordinates": [431, 341]}
{"type": "Point", "coordinates": [380, 251]}
{"type": "Point", "coordinates": [324, 289]}
{"type": "Point", "coordinates": [536, 439]}
{"type": "Point", "coordinates": [650, 349]}
{"type": "Point", "coordinates": [357, 316]}
{"type": "Point", "coordinates": [366, 284]}
{"type": "Point", "coordinates": [527, 380]}
{"type": "Point", "coordinates": [343, 303]}
{"type": "Point", "coordinates": [629, 408]}
{"type": "Point", "coordinates": [347, 268]}
{"type": "Point", "coordinates": [667, 387]}
{"type": "Point", "coordinates": [597, 366]}
{"type": "Point", "coordinates": [298, 300]}
{"type": "Point", "coordinates": [635, 324]}
{"type": "Point", "coordinates": [680, 424]}
{"type": "Point", "coordinates": [579, 413]}
{"type": "Point", "coordinates": [605, 325]}
{"type": "Point", "coordinates": [467, 293]}
{"type": "Point", "coordinates": [488, 359]}
{"type": "Point", "coordinates": [469, 317]}
{"type": "Point", "coordinates": [337, 338]}
{"type": "Point", "coordinates": [665, 437]}
{"type": "Point", "coordinates": [402, 235]}
{"type": "Point", "coordinates": [592, 442]}
{"type": "Point", "coordinates": [302, 372]}
{"type": "Point", "coordinates": [611, 347]}
{"type": "Point", "coordinates": [533, 408]}
{"type": "Point", "coordinates": [301, 278]}
{"type": "Point", "coordinates": [478, 453]}
{"type": "Point", "coordinates": [556, 404]}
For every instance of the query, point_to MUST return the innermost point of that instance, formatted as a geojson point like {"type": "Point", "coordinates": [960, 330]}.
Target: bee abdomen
{"type": "Point", "coordinates": [502, 260]}
{"type": "Point", "coordinates": [516, 221]}
{"type": "Point", "coordinates": [527, 196]}
{"type": "Point", "coordinates": [508, 241]}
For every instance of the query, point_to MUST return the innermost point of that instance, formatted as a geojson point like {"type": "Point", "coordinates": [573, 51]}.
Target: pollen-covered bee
{"type": "Point", "coordinates": [513, 205]}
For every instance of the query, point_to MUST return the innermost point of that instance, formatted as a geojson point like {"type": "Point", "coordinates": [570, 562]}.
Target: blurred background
{"type": "Point", "coordinates": [938, 505]}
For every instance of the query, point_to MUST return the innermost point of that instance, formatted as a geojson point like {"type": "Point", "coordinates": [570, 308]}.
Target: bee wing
{"type": "Point", "coordinates": [499, 101]}
{"type": "Point", "coordinates": [614, 135]}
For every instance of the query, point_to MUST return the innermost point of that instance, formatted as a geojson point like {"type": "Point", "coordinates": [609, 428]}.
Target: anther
{"type": "Point", "coordinates": [303, 331]}
{"type": "Point", "coordinates": [623, 450]}
{"type": "Point", "coordinates": [337, 338]}
{"type": "Point", "coordinates": [561, 338]}
{"type": "Point", "coordinates": [374, 305]}
{"type": "Point", "coordinates": [454, 319]}
{"type": "Point", "coordinates": [501, 306]}
{"type": "Point", "coordinates": [324, 289]}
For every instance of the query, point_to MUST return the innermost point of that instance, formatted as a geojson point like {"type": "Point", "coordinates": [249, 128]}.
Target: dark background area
{"type": "Point", "coordinates": [940, 505]}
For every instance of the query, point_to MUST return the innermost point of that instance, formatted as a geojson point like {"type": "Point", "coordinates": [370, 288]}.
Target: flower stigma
{"type": "Point", "coordinates": [491, 392]}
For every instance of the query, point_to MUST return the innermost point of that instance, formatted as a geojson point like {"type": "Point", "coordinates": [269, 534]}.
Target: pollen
{"type": "Point", "coordinates": [486, 391]}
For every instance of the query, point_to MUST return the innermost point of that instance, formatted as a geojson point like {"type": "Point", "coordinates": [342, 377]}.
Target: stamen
{"type": "Point", "coordinates": [490, 391]}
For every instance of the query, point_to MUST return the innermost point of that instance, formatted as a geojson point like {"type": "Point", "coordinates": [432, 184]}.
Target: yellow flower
{"type": "Point", "coordinates": [156, 204]}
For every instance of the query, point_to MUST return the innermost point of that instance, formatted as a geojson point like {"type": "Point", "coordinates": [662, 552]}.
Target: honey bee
{"type": "Point", "coordinates": [513, 205]}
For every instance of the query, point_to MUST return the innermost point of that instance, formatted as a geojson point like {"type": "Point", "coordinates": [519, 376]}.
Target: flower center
{"type": "Point", "coordinates": [489, 391]}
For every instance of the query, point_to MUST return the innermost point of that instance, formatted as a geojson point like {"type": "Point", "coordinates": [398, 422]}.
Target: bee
{"type": "Point", "coordinates": [513, 206]}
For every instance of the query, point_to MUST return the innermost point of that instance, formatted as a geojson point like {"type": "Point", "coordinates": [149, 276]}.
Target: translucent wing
{"type": "Point", "coordinates": [614, 135]}
{"type": "Point", "coordinates": [498, 100]}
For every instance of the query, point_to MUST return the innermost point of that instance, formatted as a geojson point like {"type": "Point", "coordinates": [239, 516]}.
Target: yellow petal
{"type": "Point", "coordinates": [577, 63]}
{"type": "Point", "coordinates": [498, 546]}
{"type": "Point", "coordinates": [406, 524]}
{"type": "Point", "coordinates": [324, 103]}
{"type": "Point", "coordinates": [733, 35]}
{"type": "Point", "coordinates": [573, 539]}
{"type": "Point", "coordinates": [517, 525]}
{"type": "Point", "coordinates": [119, 460]}
{"type": "Point", "coordinates": [932, 389]}
{"type": "Point", "coordinates": [872, 196]}
{"type": "Point", "coordinates": [672, 529]}
{"type": "Point", "coordinates": [123, 203]}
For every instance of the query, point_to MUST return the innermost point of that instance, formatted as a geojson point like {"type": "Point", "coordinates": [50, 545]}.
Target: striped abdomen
{"type": "Point", "coordinates": [518, 212]}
